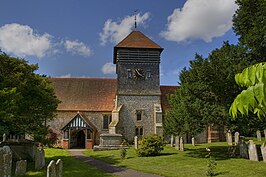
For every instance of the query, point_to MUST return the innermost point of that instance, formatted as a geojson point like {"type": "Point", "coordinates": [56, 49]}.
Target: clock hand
{"type": "Point", "coordinates": [139, 73]}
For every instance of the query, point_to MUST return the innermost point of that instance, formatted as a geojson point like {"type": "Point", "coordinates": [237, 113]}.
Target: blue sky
{"type": "Point", "coordinates": [76, 38]}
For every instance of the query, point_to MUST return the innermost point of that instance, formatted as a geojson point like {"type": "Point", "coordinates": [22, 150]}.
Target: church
{"type": "Point", "coordinates": [133, 104]}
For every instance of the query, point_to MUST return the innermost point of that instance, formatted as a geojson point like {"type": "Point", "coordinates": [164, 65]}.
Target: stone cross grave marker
{"type": "Point", "coordinates": [177, 142]}
{"type": "Point", "coordinates": [136, 142]}
{"type": "Point", "coordinates": [21, 168]}
{"type": "Point", "coordinates": [39, 159]}
{"type": "Point", "coordinates": [51, 169]}
{"type": "Point", "coordinates": [263, 152]}
{"type": "Point", "coordinates": [258, 135]}
{"type": "Point", "coordinates": [172, 140]}
{"type": "Point", "coordinates": [193, 141]}
{"type": "Point", "coordinates": [243, 148]}
{"type": "Point", "coordinates": [229, 138]}
{"type": "Point", "coordinates": [181, 144]}
{"type": "Point", "coordinates": [59, 168]}
{"type": "Point", "coordinates": [236, 138]}
{"type": "Point", "coordinates": [5, 161]}
{"type": "Point", "coordinates": [252, 151]}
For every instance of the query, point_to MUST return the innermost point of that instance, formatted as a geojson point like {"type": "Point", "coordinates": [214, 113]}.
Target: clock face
{"type": "Point", "coordinates": [139, 74]}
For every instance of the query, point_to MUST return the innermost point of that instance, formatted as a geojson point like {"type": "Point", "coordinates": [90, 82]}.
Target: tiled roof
{"type": "Point", "coordinates": [136, 39]}
{"type": "Point", "coordinates": [85, 94]}
{"type": "Point", "coordinates": [165, 92]}
{"type": "Point", "coordinates": [94, 94]}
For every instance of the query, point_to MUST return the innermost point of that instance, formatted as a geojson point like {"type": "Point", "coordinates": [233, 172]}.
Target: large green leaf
{"type": "Point", "coordinates": [253, 98]}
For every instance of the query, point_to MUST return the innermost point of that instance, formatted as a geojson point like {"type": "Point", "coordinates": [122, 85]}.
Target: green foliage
{"type": "Point", "coordinates": [123, 153]}
{"type": "Point", "coordinates": [253, 98]}
{"type": "Point", "coordinates": [150, 146]}
{"type": "Point", "coordinates": [211, 165]}
{"type": "Point", "coordinates": [206, 91]}
{"type": "Point", "coordinates": [27, 100]}
{"type": "Point", "coordinates": [249, 23]}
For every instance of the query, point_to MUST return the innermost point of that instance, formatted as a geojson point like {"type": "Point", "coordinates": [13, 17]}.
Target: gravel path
{"type": "Point", "coordinates": [109, 168]}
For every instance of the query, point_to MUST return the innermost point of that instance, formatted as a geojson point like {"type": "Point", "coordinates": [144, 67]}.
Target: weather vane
{"type": "Point", "coordinates": [135, 12]}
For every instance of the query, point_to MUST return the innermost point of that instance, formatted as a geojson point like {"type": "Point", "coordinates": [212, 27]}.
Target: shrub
{"type": "Point", "coordinates": [123, 153]}
{"type": "Point", "coordinates": [150, 146]}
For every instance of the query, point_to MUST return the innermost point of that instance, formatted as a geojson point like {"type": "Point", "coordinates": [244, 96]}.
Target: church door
{"type": "Point", "coordinates": [81, 139]}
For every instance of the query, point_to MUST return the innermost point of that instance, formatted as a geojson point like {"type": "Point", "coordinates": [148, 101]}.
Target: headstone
{"type": "Point", "coordinates": [258, 135]}
{"type": "Point", "coordinates": [229, 138]}
{"type": "Point", "coordinates": [252, 151]}
{"type": "Point", "coordinates": [136, 142]}
{"type": "Point", "coordinates": [172, 140]}
{"type": "Point", "coordinates": [177, 142]}
{"type": "Point", "coordinates": [39, 159]}
{"type": "Point", "coordinates": [5, 161]}
{"type": "Point", "coordinates": [263, 152]}
{"type": "Point", "coordinates": [21, 168]}
{"type": "Point", "coordinates": [265, 133]}
{"type": "Point", "coordinates": [243, 148]}
{"type": "Point", "coordinates": [181, 144]}
{"type": "Point", "coordinates": [193, 141]}
{"type": "Point", "coordinates": [4, 137]}
{"type": "Point", "coordinates": [51, 169]}
{"type": "Point", "coordinates": [236, 138]}
{"type": "Point", "coordinates": [59, 168]}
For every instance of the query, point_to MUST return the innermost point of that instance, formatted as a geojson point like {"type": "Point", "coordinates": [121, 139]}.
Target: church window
{"type": "Point", "coordinates": [66, 134]}
{"type": "Point", "coordinates": [129, 73]}
{"type": "Point", "coordinates": [139, 131]}
{"type": "Point", "coordinates": [89, 134]}
{"type": "Point", "coordinates": [107, 119]}
{"type": "Point", "coordinates": [139, 115]}
{"type": "Point", "coordinates": [148, 74]}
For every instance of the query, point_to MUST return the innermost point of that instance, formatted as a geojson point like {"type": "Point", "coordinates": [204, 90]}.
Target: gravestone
{"type": "Point", "coordinates": [193, 141]}
{"type": "Point", "coordinates": [21, 168]}
{"type": "Point", "coordinates": [39, 159]}
{"type": "Point", "coordinates": [229, 138]}
{"type": "Point", "coordinates": [236, 138]}
{"type": "Point", "coordinates": [59, 168]}
{"type": "Point", "coordinates": [136, 142]}
{"type": "Point", "coordinates": [265, 133]}
{"type": "Point", "coordinates": [172, 141]}
{"type": "Point", "coordinates": [243, 148]}
{"type": "Point", "coordinates": [263, 152]}
{"type": "Point", "coordinates": [181, 144]}
{"type": "Point", "coordinates": [4, 137]}
{"type": "Point", "coordinates": [5, 161]}
{"type": "Point", "coordinates": [252, 151]}
{"type": "Point", "coordinates": [51, 169]}
{"type": "Point", "coordinates": [258, 135]}
{"type": "Point", "coordinates": [177, 142]}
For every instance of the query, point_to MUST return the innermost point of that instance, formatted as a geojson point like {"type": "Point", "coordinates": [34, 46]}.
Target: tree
{"type": "Point", "coordinates": [253, 99]}
{"type": "Point", "coordinates": [207, 89]}
{"type": "Point", "coordinates": [249, 22]}
{"type": "Point", "coordinates": [27, 100]}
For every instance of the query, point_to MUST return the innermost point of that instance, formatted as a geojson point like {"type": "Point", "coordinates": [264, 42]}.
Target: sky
{"type": "Point", "coordinates": [70, 38]}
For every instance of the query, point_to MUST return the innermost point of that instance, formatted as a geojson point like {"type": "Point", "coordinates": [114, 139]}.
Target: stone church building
{"type": "Point", "coordinates": [133, 104]}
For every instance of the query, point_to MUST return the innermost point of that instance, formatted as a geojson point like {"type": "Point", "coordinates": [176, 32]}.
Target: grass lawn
{"type": "Point", "coordinates": [192, 162]}
{"type": "Point", "coordinates": [71, 167]}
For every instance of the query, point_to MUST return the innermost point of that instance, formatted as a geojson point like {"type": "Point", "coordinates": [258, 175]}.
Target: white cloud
{"type": "Point", "coordinates": [108, 68]}
{"type": "Point", "coordinates": [22, 41]}
{"type": "Point", "coordinates": [200, 19]}
{"type": "Point", "coordinates": [115, 31]}
{"type": "Point", "coordinates": [77, 48]}
{"type": "Point", "coordinates": [69, 75]}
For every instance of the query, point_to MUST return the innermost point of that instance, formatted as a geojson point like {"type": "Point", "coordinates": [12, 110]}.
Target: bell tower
{"type": "Point", "coordinates": [137, 60]}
